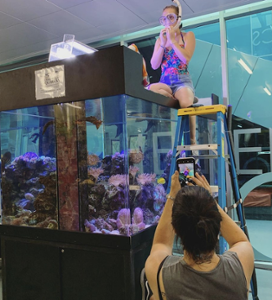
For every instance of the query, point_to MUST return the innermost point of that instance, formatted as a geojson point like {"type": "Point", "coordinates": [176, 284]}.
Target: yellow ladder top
{"type": "Point", "coordinates": [202, 110]}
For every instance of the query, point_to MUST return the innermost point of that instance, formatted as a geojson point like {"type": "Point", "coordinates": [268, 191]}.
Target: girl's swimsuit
{"type": "Point", "coordinates": [174, 71]}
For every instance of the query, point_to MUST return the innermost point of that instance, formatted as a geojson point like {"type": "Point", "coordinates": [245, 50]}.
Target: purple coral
{"type": "Point", "coordinates": [95, 172]}
{"type": "Point", "coordinates": [117, 180]}
{"type": "Point", "coordinates": [123, 218]}
{"type": "Point", "coordinates": [118, 155]}
{"type": "Point", "coordinates": [89, 227]}
{"type": "Point", "coordinates": [146, 178]}
{"type": "Point", "coordinates": [133, 170]}
{"type": "Point", "coordinates": [138, 218]}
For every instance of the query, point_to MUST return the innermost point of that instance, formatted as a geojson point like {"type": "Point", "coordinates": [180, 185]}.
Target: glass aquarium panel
{"type": "Point", "coordinates": [129, 193]}
{"type": "Point", "coordinates": [28, 168]}
{"type": "Point", "coordinates": [99, 165]}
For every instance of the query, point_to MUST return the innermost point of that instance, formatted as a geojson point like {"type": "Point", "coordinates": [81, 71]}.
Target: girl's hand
{"type": "Point", "coordinates": [170, 33]}
{"type": "Point", "coordinates": [175, 184]}
{"type": "Point", "coordinates": [201, 181]}
{"type": "Point", "coordinates": [163, 37]}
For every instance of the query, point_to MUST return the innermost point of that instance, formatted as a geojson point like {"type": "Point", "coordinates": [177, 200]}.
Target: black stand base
{"type": "Point", "coordinates": [47, 264]}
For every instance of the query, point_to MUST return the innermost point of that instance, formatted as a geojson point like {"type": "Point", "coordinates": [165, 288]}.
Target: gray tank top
{"type": "Point", "coordinates": [225, 282]}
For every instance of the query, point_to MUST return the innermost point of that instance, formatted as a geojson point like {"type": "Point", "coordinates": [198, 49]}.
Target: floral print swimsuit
{"type": "Point", "coordinates": [174, 71]}
{"type": "Point", "coordinates": [171, 64]}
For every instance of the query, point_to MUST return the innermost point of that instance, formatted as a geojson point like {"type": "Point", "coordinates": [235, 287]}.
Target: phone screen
{"type": "Point", "coordinates": [185, 170]}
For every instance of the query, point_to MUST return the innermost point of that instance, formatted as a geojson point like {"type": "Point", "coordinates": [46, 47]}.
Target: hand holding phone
{"type": "Point", "coordinates": [186, 169]}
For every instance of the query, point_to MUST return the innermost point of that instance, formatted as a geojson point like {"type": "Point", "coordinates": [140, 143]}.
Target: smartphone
{"type": "Point", "coordinates": [186, 168]}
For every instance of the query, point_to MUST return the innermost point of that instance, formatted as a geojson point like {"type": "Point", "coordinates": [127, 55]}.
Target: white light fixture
{"type": "Point", "coordinates": [245, 66]}
{"type": "Point", "coordinates": [69, 48]}
{"type": "Point", "coordinates": [267, 91]}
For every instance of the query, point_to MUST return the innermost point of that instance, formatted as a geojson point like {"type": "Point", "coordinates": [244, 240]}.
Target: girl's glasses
{"type": "Point", "coordinates": [170, 19]}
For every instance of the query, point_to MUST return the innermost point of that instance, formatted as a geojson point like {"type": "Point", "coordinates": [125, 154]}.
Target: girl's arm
{"type": "Point", "coordinates": [157, 55]}
{"type": "Point", "coordinates": [184, 54]}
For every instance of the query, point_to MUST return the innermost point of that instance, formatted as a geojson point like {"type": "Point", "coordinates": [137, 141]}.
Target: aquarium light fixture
{"type": "Point", "coordinates": [69, 48]}
{"type": "Point", "coordinates": [63, 53]}
{"type": "Point", "coordinates": [267, 91]}
{"type": "Point", "coordinates": [84, 48]}
{"type": "Point", "coordinates": [245, 66]}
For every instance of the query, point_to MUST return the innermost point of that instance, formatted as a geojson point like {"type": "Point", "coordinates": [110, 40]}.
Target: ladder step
{"type": "Point", "coordinates": [202, 110]}
{"type": "Point", "coordinates": [197, 147]}
{"type": "Point", "coordinates": [206, 156]}
{"type": "Point", "coordinates": [214, 188]}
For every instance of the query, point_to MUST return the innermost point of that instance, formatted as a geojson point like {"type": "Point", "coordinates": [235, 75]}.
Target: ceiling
{"type": "Point", "coordinates": [29, 27]}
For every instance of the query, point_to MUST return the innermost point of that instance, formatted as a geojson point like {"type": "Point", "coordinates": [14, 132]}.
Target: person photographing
{"type": "Point", "coordinates": [193, 215]}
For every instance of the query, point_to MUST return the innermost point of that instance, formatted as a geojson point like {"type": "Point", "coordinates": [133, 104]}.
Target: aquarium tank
{"type": "Point", "coordinates": [98, 165]}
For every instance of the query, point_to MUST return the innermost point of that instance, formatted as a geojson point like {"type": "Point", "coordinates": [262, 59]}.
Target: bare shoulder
{"type": "Point", "coordinates": [188, 35]}
{"type": "Point", "coordinates": [245, 254]}
{"type": "Point", "coordinates": [151, 269]}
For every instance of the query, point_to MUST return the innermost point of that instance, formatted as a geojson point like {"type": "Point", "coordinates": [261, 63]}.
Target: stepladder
{"type": "Point", "coordinates": [222, 151]}
{"type": "Point", "coordinates": [217, 149]}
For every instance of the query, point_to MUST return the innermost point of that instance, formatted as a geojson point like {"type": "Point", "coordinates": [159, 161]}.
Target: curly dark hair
{"type": "Point", "coordinates": [196, 221]}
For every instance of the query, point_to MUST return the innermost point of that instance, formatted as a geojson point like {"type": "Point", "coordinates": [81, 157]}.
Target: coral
{"type": "Point", "coordinates": [89, 227]}
{"type": "Point", "coordinates": [149, 216]}
{"type": "Point", "coordinates": [159, 197]}
{"type": "Point", "coordinates": [29, 196]}
{"type": "Point", "coordinates": [36, 217]}
{"type": "Point", "coordinates": [136, 156]}
{"type": "Point", "coordinates": [95, 172]}
{"type": "Point", "coordinates": [113, 223]}
{"type": "Point", "coordinates": [133, 170]}
{"type": "Point", "coordinates": [117, 164]}
{"type": "Point", "coordinates": [106, 165]}
{"type": "Point", "coordinates": [25, 204]}
{"type": "Point", "coordinates": [117, 180]}
{"type": "Point", "coordinates": [132, 173]}
{"type": "Point", "coordinates": [93, 159]}
{"type": "Point", "coordinates": [138, 218]}
{"type": "Point", "coordinates": [100, 223]}
{"type": "Point", "coordinates": [114, 198]}
{"type": "Point", "coordinates": [146, 178]}
{"type": "Point", "coordinates": [137, 215]}
{"type": "Point", "coordinates": [53, 224]}
{"type": "Point", "coordinates": [166, 171]}
{"type": "Point", "coordinates": [117, 155]}
{"type": "Point", "coordinates": [48, 223]}
{"type": "Point", "coordinates": [123, 217]}
{"type": "Point", "coordinates": [19, 221]}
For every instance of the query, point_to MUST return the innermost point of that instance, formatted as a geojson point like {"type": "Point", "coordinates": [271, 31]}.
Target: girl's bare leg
{"type": "Point", "coordinates": [162, 89]}
{"type": "Point", "coordinates": [185, 96]}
